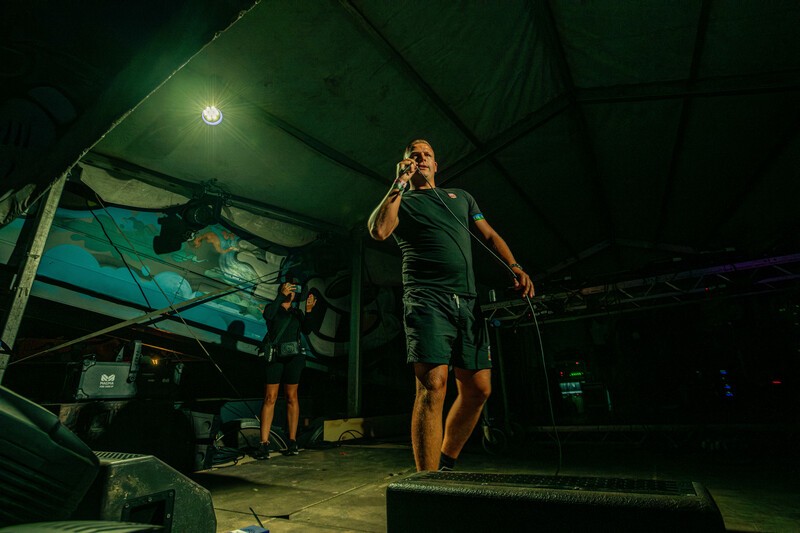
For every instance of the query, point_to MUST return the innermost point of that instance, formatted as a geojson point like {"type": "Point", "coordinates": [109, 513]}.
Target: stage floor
{"type": "Point", "coordinates": [342, 488]}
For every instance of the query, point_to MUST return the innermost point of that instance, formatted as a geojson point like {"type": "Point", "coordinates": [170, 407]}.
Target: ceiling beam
{"type": "Point", "coordinates": [518, 130]}
{"type": "Point", "coordinates": [683, 120]}
{"type": "Point", "coordinates": [410, 73]}
{"type": "Point", "coordinates": [746, 85]}
{"type": "Point", "coordinates": [407, 70]}
{"type": "Point", "coordinates": [550, 29]}
{"type": "Point", "coordinates": [548, 25]}
{"type": "Point", "coordinates": [768, 160]}
{"type": "Point", "coordinates": [585, 254]}
{"type": "Point", "coordinates": [514, 133]}
{"type": "Point", "coordinates": [752, 84]}
{"type": "Point", "coordinates": [671, 248]}
{"type": "Point", "coordinates": [322, 148]}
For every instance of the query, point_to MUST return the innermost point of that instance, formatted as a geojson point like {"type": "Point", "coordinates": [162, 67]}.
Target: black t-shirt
{"type": "Point", "coordinates": [276, 316]}
{"type": "Point", "coordinates": [434, 240]}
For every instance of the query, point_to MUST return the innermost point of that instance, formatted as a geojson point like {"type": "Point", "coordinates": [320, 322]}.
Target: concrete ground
{"type": "Point", "coordinates": [343, 488]}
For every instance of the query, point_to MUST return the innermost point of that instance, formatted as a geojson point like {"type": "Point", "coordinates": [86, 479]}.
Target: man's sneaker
{"type": "Point", "coordinates": [446, 463]}
{"type": "Point", "coordinates": [262, 452]}
{"type": "Point", "coordinates": [292, 448]}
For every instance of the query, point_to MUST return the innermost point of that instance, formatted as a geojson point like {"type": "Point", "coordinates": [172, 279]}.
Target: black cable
{"type": "Point", "coordinates": [257, 518]}
{"type": "Point", "coordinates": [122, 256]}
{"type": "Point", "coordinates": [226, 454]}
{"type": "Point", "coordinates": [547, 388]}
{"type": "Point", "coordinates": [352, 432]}
{"type": "Point", "coordinates": [535, 322]}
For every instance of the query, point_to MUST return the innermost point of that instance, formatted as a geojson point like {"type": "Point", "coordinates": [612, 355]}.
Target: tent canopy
{"type": "Point", "coordinates": [601, 139]}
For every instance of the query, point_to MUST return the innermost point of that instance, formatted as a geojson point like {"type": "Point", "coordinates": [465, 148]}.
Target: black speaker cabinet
{"type": "Point", "coordinates": [465, 502]}
{"type": "Point", "coordinates": [143, 489]}
{"type": "Point", "coordinates": [99, 380]}
{"type": "Point", "coordinates": [206, 426]}
{"type": "Point", "coordinates": [44, 468]}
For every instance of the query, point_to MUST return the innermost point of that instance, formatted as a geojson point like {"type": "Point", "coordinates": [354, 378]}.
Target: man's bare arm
{"type": "Point", "coordinates": [522, 281]}
{"type": "Point", "coordinates": [384, 219]}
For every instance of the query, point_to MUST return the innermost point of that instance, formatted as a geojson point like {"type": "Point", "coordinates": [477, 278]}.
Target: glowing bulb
{"type": "Point", "coordinates": [212, 116]}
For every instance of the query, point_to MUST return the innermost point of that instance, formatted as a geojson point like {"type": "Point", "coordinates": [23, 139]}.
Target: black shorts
{"type": "Point", "coordinates": [286, 370]}
{"type": "Point", "coordinates": [445, 329]}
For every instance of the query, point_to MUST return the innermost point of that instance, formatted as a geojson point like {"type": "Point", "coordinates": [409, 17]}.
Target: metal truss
{"type": "Point", "coordinates": [746, 277]}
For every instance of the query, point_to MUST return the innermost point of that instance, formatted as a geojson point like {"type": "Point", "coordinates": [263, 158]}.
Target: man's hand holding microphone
{"type": "Point", "coordinates": [405, 169]}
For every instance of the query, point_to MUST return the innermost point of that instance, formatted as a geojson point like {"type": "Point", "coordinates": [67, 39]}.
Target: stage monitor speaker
{"type": "Point", "coordinates": [44, 468]}
{"type": "Point", "coordinates": [144, 489]}
{"type": "Point", "coordinates": [467, 502]}
{"type": "Point", "coordinates": [83, 526]}
{"type": "Point", "coordinates": [206, 426]}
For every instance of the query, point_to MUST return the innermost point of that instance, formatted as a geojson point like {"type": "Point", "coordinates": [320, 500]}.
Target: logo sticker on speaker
{"type": "Point", "coordinates": [107, 381]}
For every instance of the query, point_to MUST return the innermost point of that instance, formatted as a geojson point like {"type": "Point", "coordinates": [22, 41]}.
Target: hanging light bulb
{"type": "Point", "coordinates": [211, 115]}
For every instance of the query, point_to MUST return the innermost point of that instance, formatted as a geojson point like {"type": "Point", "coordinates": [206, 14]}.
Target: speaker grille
{"type": "Point", "coordinates": [479, 502]}
{"type": "Point", "coordinates": [117, 456]}
{"type": "Point", "coordinates": [601, 484]}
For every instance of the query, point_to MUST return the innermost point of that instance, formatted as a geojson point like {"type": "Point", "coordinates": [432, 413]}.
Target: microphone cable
{"type": "Point", "coordinates": [527, 299]}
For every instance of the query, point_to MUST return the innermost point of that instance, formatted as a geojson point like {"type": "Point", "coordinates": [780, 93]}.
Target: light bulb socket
{"type": "Point", "coordinates": [211, 115]}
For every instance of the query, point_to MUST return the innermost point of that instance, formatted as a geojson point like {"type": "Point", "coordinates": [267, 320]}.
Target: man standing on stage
{"type": "Point", "coordinates": [442, 319]}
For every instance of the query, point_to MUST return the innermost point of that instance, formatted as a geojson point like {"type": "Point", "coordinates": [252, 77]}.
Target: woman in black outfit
{"type": "Point", "coordinates": [285, 361]}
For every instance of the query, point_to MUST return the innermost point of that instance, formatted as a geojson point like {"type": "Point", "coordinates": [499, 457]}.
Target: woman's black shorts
{"type": "Point", "coordinates": [286, 370]}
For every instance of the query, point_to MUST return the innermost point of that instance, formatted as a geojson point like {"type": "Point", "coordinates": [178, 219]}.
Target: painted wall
{"type": "Point", "coordinates": [103, 261]}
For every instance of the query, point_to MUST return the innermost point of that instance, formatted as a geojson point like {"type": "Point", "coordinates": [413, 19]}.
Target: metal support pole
{"type": "Point", "coordinates": [21, 291]}
{"type": "Point", "coordinates": [354, 353]}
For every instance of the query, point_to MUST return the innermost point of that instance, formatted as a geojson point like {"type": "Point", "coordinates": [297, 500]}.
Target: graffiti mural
{"type": "Point", "coordinates": [103, 261]}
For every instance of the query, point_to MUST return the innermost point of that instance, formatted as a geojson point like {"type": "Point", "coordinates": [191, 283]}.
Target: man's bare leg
{"type": "Point", "coordinates": [426, 419]}
{"type": "Point", "coordinates": [474, 387]}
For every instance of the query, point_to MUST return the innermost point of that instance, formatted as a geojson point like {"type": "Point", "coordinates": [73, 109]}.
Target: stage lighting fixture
{"type": "Point", "coordinates": [198, 215]}
{"type": "Point", "coordinates": [172, 236]}
{"type": "Point", "coordinates": [181, 226]}
{"type": "Point", "coordinates": [211, 115]}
